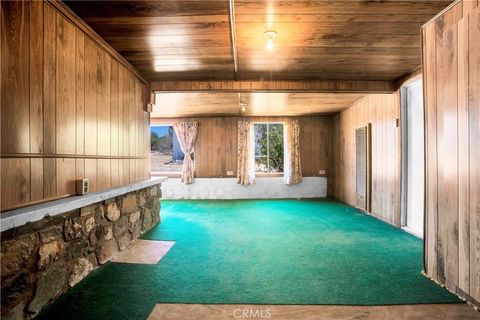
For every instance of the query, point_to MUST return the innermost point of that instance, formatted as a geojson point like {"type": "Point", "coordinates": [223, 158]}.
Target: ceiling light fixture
{"type": "Point", "coordinates": [270, 35]}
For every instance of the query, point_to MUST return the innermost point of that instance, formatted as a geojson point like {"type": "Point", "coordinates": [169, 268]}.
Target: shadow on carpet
{"type": "Point", "coordinates": [260, 252]}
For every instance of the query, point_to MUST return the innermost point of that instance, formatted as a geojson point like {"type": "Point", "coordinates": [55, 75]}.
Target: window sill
{"type": "Point", "coordinates": [268, 175]}
{"type": "Point", "coordinates": [167, 174]}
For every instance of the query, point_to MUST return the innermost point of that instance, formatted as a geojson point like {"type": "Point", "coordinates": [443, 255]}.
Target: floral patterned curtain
{"type": "Point", "coordinates": [187, 134]}
{"type": "Point", "coordinates": [245, 159]}
{"type": "Point", "coordinates": [292, 167]}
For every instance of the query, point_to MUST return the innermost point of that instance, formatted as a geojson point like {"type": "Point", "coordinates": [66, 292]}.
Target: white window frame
{"type": "Point", "coordinates": [169, 174]}
{"type": "Point", "coordinates": [268, 174]}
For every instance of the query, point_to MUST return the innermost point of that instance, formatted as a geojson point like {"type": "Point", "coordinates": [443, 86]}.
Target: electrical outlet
{"type": "Point", "coordinates": [229, 173]}
{"type": "Point", "coordinates": [82, 186]}
{"type": "Point", "coordinates": [321, 172]}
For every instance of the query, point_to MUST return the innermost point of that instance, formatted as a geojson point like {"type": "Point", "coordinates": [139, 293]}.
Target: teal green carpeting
{"type": "Point", "coordinates": [260, 252]}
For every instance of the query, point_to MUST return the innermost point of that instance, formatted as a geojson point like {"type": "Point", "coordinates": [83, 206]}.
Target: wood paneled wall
{"type": "Point", "coordinates": [452, 110]}
{"type": "Point", "coordinates": [70, 109]}
{"type": "Point", "coordinates": [381, 111]}
{"type": "Point", "coordinates": [216, 145]}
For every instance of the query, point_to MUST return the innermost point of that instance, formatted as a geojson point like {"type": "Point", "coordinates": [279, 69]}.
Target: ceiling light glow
{"type": "Point", "coordinates": [270, 35]}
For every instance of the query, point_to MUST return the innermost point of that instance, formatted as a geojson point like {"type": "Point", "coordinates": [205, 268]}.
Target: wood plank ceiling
{"type": "Point", "coordinates": [334, 39]}
{"type": "Point", "coordinates": [194, 104]}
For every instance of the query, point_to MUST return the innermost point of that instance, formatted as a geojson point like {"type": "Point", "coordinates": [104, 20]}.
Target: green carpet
{"type": "Point", "coordinates": [260, 252]}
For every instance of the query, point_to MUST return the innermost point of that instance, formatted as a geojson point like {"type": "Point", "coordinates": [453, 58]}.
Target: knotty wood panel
{"type": "Point", "coordinates": [17, 172]}
{"type": "Point", "coordinates": [15, 77]}
{"type": "Point", "coordinates": [452, 98]}
{"type": "Point", "coordinates": [380, 110]}
{"type": "Point", "coordinates": [36, 179]}
{"type": "Point", "coordinates": [49, 80]}
{"type": "Point", "coordinates": [65, 99]}
{"type": "Point", "coordinates": [216, 144]}
{"type": "Point", "coordinates": [36, 79]}
{"type": "Point", "coordinates": [61, 114]}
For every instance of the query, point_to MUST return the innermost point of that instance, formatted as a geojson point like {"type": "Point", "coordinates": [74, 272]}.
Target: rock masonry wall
{"type": "Point", "coordinates": [41, 260]}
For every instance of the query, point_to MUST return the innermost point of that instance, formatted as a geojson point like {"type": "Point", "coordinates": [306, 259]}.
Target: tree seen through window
{"type": "Point", "coordinates": [268, 147]}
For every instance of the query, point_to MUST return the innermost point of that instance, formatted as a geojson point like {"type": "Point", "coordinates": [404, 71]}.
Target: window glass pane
{"type": "Point", "coordinates": [260, 139]}
{"type": "Point", "coordinates": [268, 147]}
{"type": "Point", "coordinates": [166, 153]}
{"type": "Point", "coordinates": [261, 164]}
{"type": "Point", "coordinates": [275, 147]}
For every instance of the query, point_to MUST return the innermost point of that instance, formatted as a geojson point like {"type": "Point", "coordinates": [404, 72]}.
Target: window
{"type": "Point", "coordinates": [166, 153]}
{"type": "Point", "coordinates": [268, 147]}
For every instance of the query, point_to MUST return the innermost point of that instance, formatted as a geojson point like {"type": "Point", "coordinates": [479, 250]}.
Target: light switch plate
{"type": "Point", "coordinates": [321, 172]}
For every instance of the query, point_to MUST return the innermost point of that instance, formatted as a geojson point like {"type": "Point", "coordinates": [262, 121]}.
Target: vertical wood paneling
{"type": "Point", "coordinates": [17, 172]}
{"type": "Point", "coordinates": [36, 79]}
{"type": "Point", "coordinates": [380, 111]}
{"type": "Point", "coordinates": [65, 87]}
{"type": "Point", "coordinates": [15, 80]}
{"type": "Point", "coordinates": [463, 159]}
{"type": "Point", "coordinates": [91, 173]}
{"type": "Point", "coordinates": [65, 176]}
{"type": "Point", "coordinates": [126, 171]}
{"type": "Point", "coordinates": [132, 125]}
{"type": "Point", "coordinates": [147, 162]}
{"type": "Point", "coordinates": [430, 101]}
{"type": "Point", "coordinates": [103, 103]}
{"type": "Point", "coordinates": [49, 81]}
{"type": "Point", "coordinates": [79, 168]}
{"type": "Point", "coordinates": [61, 99]}
{"type": "Point", "coordinates": [103, 174]}
{"type": "Point", "coordinates": [452, 91]}
{"type": "Point", "coordinates": [80, 93]}
{"type": "Point", "coordinates": [447, 147]}
{"type": "Point", "coordinates": [49, 178]}
{"type": "Point", "coordinates": [114, 109]}
{"type": "Point", "coordinates": [114, 123]}
{"type": "Point", "coordinates": [474, 150]}
{"type": "Point", "coordinates": [124, 85]}
{"type": "Point", "coordinates": [91, 120]}
{"type": "Point", "coordinates": [36, 179]}
{"type": "Point", "coordinates": [216, 144]}
{"type": "Point", "coordinates": [114, 173]}
{"type": "Point", "coordinates": [231, 128]}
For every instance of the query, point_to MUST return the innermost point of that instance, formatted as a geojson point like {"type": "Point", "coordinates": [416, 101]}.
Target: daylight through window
{"type": "Point", "coordinates": [166, 153]}
{"type": "Point", "coordinates": [268, 147]}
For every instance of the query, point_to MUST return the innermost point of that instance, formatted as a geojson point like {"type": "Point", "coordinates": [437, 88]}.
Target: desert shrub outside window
{"type": "Point", "coordinates": [166, 154]}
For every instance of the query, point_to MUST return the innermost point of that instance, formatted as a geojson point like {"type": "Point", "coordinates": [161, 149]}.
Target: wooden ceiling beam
{"type": "Point", "coordinates": [233, 36]}
{"type": "Point", "coordinates": [333, 86]}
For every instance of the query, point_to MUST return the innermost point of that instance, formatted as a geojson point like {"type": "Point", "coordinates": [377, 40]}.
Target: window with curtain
{"type": "Point", "coordinates": [269, 144]}
{"type": "Point", "coordinates": [166, 154]}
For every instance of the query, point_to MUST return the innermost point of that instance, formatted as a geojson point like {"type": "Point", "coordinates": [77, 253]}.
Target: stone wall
{"type": "Point", "coordinates": [42, 260]}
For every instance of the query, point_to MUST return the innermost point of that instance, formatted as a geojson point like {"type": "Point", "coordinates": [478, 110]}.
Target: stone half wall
{"type": "Point", "coordinates": [42, 260]}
